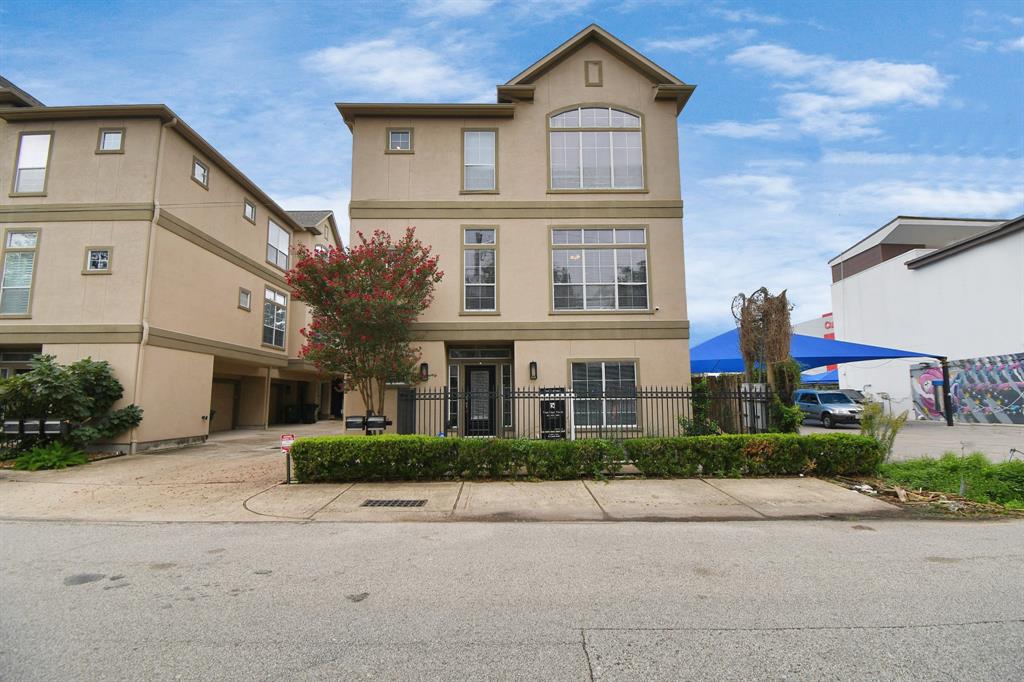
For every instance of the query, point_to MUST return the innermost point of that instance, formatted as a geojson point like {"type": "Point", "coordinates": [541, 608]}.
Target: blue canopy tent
{"type": "Point", "coordinates": [722, 354]}
{"type": "Point", "coordinates": [829, 377]}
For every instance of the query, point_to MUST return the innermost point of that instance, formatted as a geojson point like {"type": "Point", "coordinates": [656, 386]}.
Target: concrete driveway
{"type": "Point", "coordinates": [238, 477]}
{"type": "Point", "coordinates": [933, 439]}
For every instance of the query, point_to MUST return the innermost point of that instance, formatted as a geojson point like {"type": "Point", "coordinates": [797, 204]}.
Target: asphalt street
{"type": "Point", "coordinates": [853, 600]}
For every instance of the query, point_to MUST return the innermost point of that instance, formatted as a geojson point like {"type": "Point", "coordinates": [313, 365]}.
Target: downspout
{"type": "Point", "coordinates": [148, 273]}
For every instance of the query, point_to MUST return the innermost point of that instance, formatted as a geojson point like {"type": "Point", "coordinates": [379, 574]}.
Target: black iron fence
{"type": "Point", "coordinates": [556, 413]}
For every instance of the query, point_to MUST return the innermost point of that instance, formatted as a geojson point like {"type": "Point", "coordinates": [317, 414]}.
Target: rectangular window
{"type": "Point", "coordinates": [244, 299]}
{"type": "Point", "coordinates": [111, 141]}
{"type": "Point", "coordinates": [19, 259]}
{"type": "Point", "coordinates": [399, 140]}
{"type": "Point", "coordinates": [201, 173]}
{"type": "Point", "coordinates": [320, 249]}
{"type": "Point", "coordinates": [453, 396]}
{"type": "Point", "coordinates": [33, 158]}
{"type": "Point", "coordinates": [479, 158]}
{"type": "Point", "coordinates": [506, 393]}
{"type": "Point", "coordinates": [479, 267]}
{"type": "Point", "coordinates": [605, 394]}
{"type": "Point", "coordinates": [97, 260]}
{"type": "Point", "coordinates": [278, 241]}
{"type": "Point", "coordinates": [249, 211]}
{"type": "Point", "coordinates": [604, 275]}
{"type": "Point", "coordinates": [275, 317]}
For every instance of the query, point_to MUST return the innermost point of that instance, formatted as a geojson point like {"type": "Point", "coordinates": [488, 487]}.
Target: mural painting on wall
{"type": "Point", "coordinates": [987, 390]}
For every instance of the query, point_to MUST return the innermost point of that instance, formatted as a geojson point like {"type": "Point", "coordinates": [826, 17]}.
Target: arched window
{"type": "Point", "coordinates": [596, 148]}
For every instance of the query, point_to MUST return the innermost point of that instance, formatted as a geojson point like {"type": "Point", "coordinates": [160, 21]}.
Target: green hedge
{"type": "Point", "coordinates": [404, 458]}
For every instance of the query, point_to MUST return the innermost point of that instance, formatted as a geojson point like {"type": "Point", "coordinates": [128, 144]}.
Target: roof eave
{"type": "Point", "coordinates": [351, 110]}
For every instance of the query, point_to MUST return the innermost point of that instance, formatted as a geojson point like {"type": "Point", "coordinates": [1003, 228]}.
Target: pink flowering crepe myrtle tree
{"type": "Point", "coordinates": [363, 300]}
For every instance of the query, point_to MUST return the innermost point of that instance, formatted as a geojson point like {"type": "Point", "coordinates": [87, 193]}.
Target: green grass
{"type": "Point", "coordinates": [986, 482]}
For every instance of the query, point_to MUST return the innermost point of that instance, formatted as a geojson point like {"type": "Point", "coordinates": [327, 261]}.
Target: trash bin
{"type": "Point", "coordinates": [291, 414]}
{"type": "Point", "coordinates": [309, 411]}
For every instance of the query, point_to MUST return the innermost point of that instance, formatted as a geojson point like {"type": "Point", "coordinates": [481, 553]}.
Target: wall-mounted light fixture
{"type": "Point", "coordinates": [533, 371]}
{"type": "Point", "coordinates": [424, 371]}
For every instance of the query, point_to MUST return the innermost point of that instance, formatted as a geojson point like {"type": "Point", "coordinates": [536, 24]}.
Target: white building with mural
{"type": "Point", "coordinates": [952, 287]}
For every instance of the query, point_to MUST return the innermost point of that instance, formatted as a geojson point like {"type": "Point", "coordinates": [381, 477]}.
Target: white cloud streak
{"type": "Point", "coordinates": [832, 98]}
{"type": "Point", "coordinates": [450, 9]}
{"type": "Point", "coordinates": [700, 43]}
{"type": "Point", "coordinates": [401, 70]}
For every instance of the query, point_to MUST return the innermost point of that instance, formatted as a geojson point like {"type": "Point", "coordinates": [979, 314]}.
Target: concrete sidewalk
{"type": "Point", "coordinates": [24, 496]}
{"type": "Point", "coordinates": [236, 477]}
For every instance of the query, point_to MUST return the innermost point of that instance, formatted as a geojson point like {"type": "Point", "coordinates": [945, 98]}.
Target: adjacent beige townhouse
{"type": "Point", "coordinates": [557, 215]}
{"type": "Point", "coordinates": [128, 238]}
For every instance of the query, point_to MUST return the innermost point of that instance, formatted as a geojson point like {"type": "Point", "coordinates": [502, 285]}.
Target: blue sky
{"type": "Point", "coordinates": [813, 123]}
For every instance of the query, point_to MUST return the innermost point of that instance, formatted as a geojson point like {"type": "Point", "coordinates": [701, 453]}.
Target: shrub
{"type": "Point", "coordinates": [702, 424]}
{"type": "Point", "coordinates": [50, 456]}
{"type": "Point", "coordinates": [83, 393]}
{"type": "Point", "coordinates": [881, 426]}
{"type": "Point", "coordinates": [382, 458]}
{"type": "Point", "coordinates": [986, 482]}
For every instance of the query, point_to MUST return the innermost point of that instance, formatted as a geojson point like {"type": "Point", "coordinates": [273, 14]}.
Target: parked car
{"type": "Point", "coordinates": [854, 395]}
{"type": "Point", "coordinates": [829, 407]}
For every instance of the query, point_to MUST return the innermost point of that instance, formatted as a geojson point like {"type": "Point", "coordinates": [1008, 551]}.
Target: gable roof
{"type": "Point", "coordinates": [595, 33]}
{"type": "Point", "coordinates": [13, 96]}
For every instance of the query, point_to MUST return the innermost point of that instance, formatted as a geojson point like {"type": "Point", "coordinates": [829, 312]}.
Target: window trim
{"type": "Point", "coordinates": [284, 344]}
{"type": "Point", "coordinates": [639, 403]}
{"type": "Point", "coordinates": [248, 308]}
{"type": "Point", "coordinates": [99, 141]}
{"type": "Point", "coordinates": [462, 268]}
{"type": "Point", "coordinates": [110, 260]}
{"type": "Point", "coordinates": [599, 81]}
{"type": "Point", "coordinates": [35, 262]}
{"type": "Point", "coordinates": [387, 140]}
{"type": "Point", "coordinates": [192, 174]}
{"type": "Point", "coordinates": [644, 189]}
{"type": "Point", "coordinates": [462, 162]}
{"type": "Point", "coordinates": [246, 203]}
{"type": "Point", "coordinates": [49, 162]}
{"type": "Point", "coordinates": [266, 243]}
{"type": "Point", "coordinates": [649, 310]}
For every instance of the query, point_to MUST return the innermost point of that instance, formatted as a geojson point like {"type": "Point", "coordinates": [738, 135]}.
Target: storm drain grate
{"type": "Point", "coordinates": [393, 503]}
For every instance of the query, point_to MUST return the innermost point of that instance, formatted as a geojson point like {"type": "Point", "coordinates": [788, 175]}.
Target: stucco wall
{"type": "Point", "coordinates": [969, 305]}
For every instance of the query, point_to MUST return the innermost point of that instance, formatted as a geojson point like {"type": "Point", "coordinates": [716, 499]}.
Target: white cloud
{"type": "Point", "coordinates": [860, 158]}
{"type": "Point", "coordinates": [745, 15]}
{"type": "Point", "coordinates": [401, 70]}
{"type": "Point", "coordinates": [742, 131]}
{"type": "Point", "coordinates": [700, 43]}
{"type": "Point", "coordinates": [766, 186]}
{"type": "Point", "coordinates": [450, 8]}
{"type": "Point", "coordinates": [1015, 45]}
{"type": "Point", "coordinates": [901, 197]}
{"type": "Point", "coordinates": [831, 98]}
{"type": "Point", "coordinates": [545, 10]}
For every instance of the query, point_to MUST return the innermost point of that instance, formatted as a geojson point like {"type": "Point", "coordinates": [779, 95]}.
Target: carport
{"type": "Point", "coordinates": [721, 354]}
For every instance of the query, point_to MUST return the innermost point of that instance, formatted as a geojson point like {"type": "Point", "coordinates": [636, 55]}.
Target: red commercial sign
{"type": "Point", "coordinates": [286, 441]}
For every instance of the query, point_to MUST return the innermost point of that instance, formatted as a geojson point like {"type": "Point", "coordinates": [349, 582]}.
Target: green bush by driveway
{"type": "Point", "coordinates": [398, 458]}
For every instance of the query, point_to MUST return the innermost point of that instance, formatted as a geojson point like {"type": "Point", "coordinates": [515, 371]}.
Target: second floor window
{"type": "Point", "coordinates": [19, 259]}
{"type": "Point", "coordinates": [479, 259]}
{"type": "Point", "coordinates": [249, 210]}
{"type": "Point", "coordinates": [598, 148]}
{"type": "Point", "coordinates": [479, 159]}
{"type": "Point", "coordinates": [33, 157]}
{"type": "Point", "coordinates": [277, 245]}
{"type": "Point", "coordinates": [201, 173]}
{"type": "Point", "coordinates": [275, 317]}
{"type": "Point", "coordinates": [599, 268]}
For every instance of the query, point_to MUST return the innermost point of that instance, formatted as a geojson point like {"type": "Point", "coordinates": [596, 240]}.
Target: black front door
{"type": "Point", "coordinates": [480, 401]}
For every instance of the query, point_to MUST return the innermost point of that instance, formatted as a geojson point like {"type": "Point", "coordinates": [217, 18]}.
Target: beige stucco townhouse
{"type": "Point", "coordinates": [557, 215]}
{"type": "Point", "coordinates": [128, 238]}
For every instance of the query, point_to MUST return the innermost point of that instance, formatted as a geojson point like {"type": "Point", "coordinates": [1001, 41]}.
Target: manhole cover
{"type": "Point", "coordinates": [393, 503]}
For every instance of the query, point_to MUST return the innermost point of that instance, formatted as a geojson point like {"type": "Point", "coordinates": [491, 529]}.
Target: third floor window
{"type": "Point", "coordinates": [596, 148]}
{"type": "Point", "coordinates": [33, 157]}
